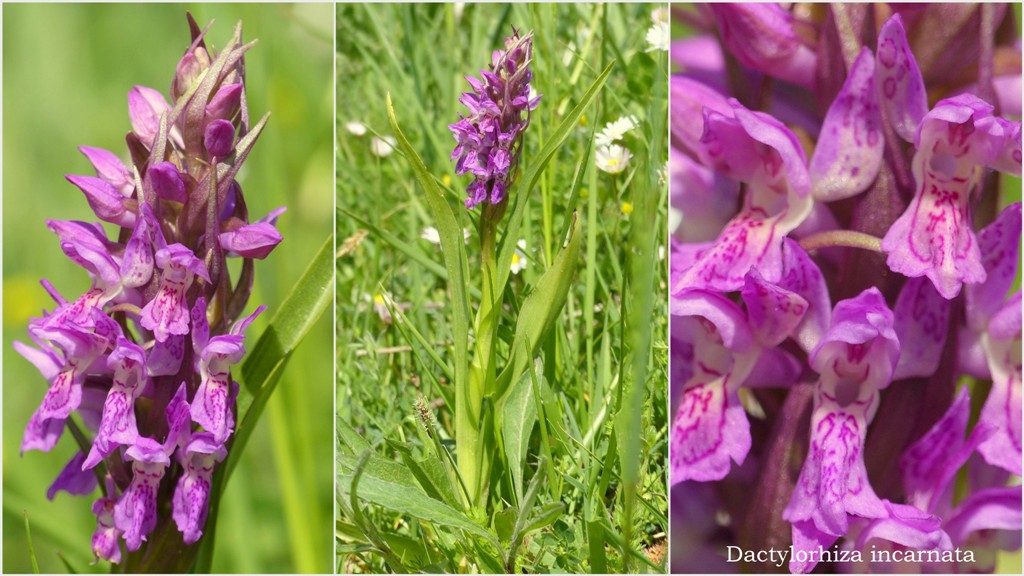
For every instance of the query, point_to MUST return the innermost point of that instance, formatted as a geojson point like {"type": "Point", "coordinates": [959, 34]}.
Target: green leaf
{"type": "Point", "coordinates": [452, 247]}
{"type": "Point", "coordinates": [541, 308]}
{"type": "Point", "coordinates": [414, 502]}
{"type": "Point", "coordinates": [430, 474]}
{"type": "Point", "coordinates": [546, 516]}
{"type": "Point", "coordinates": [536, 167]}
{"type": "Point", "coordinates": [505, 523]}
{"type": "Point", "coordinates": [262, 369]}
{"type": "Point", "coordinates": [519, 414]}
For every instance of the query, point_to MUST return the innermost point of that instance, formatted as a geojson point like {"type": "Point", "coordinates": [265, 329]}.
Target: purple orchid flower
{"type": "Point", "coordinates": [193, 490]}
{"type": "Point", "coordinates": [489, 140]}
{"type": "Point", "coordinates": [140, 356]}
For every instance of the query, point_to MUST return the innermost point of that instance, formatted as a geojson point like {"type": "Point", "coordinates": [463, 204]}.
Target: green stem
{"type": "Point", "coordinates": [474, 463]}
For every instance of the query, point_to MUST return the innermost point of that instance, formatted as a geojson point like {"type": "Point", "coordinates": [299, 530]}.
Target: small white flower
{"type": "Point", "coordinates": [430, 234]}
{"type": "Point", "coordinates": [658, 37]}
{"type": "Point", "coordinates": [569, 54]}
{"type": "Point", "coordinates": [382, 147]}
{"type": "Point", "coordinates": [519, 258]}
{"type": "Point", "coordinates": [616, 130]}
{"type": "Point", "coordinates": [355, 127]}
{"type": "Point", "coordinates": [612, 159]}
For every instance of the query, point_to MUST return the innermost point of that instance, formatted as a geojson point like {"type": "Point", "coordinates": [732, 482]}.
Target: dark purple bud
{"type": "Point", "coordinates": [220, 136]}
{"type": "Point", "coordinates": [165, 182]}
{"type": "Point", "coordinates": [224, 103]}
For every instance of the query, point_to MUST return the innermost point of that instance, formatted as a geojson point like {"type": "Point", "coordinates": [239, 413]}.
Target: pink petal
{"type": "Point", "coordinates": [848, 154]}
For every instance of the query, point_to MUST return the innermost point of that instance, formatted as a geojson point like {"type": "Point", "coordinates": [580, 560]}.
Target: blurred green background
{"type": "Point", "coordinates": [67, 70]}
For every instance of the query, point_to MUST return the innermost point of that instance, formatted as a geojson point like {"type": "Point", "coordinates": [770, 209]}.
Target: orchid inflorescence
{"type": "Point", "coordinates": [489, 140]}
{"type": "Point", "coordinates": [145, 354]}
{"type": "Point", "coordinates": [831, 304]}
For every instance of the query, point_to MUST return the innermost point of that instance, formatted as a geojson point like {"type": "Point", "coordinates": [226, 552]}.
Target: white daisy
{"type": "Point", "coordinates": [616, 130]}
{"type": "Point", "coordinates": [519, 258]}
{"type": "Point", "coordinates": [612, 159]}
{"type": "Point", "coordinates": [382, 147]}
{"type": "Point", "coordinates": [430, 234]}
{"type": "Point", "coordinates": [658, 37]}
{"type": "Point", "coordinates": [355, 127]}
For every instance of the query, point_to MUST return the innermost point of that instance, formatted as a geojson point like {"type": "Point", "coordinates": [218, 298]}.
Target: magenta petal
{"type": "Point", "coordinates": [135, 512]}
{"type": "Point", "coordinates": [761, 36]}
{"type": "Point", "coordinates": [774, 312]}
{"type": "Point", "coordinates": [809, 540]}
{"type": "Point", "coordinates": [251, 241]}
{"type": "Point", "coordinates": [1002, 408]}
{"type": "Point", "coordinates": [848, 154]}
{"type": "Point", "coordinates": [802, 276]}
{"type": "Point", "coordinates": [861, 343]}
{"type": "Point", "coordinates": [109, 167]}
{"type": "Point", "coordinates": [200, 326]}
{"type": "Point", "coordinates": [899, 80]}
{"type": "Point", "coordinates": [72, 479]}
{"type": "Point", "coordinates": [179, 421]}
{"type": "Point", "coordinates": [688, 100]}
{"type": "Point", "coordinates": [706, 199]}
{"type": "Point", "coordinates": [165, 357]}
{"type": "Point", "coordinates": [907, 526]}
{"type": "Point", "coordinates": [988, 509]}
{"type": "Point", "coordinates": [105, 200]}
{"type": "Point", "coordinates": [1008, 159]}
{"type": "Point", "coordinates": [930, 464]}
{"type": "Point", "coordinates": [104, 539]}
{"type": "Point", "coordinates": [145, 107]}
{"type": "Point", "coordinates": [710, 429]}
{"type": "Point", "coordinates": [999, 243]}
{"type": "Point", "coordinates": [775, 368]}
{"type": "Point", "coordinates": [922, 322]}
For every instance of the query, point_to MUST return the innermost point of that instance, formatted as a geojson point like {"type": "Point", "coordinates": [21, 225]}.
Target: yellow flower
{"type": "Point", "coordinates": [626, 208]}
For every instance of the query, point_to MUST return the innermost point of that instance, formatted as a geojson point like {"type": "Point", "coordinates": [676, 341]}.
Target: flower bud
{"type": "Point", "coordinates": [190, 70]}
{"type": "Point", "coordinates": [145, 107]}
{"type": "Point", "coordinates": [224, 103]}
{"type": "Point", "coordinates": [165, 182]}
{"type": "Point", "coordinates": [220, 135]}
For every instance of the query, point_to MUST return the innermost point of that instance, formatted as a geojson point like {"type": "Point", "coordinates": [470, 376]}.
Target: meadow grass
{"type": "Point", "coordinates": [598, 385]}
{"type": "Point", "coordinates": [67, 70]}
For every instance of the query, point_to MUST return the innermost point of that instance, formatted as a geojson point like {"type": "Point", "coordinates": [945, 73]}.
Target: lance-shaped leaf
{"type": "Point", "coordinates": [540, 310]}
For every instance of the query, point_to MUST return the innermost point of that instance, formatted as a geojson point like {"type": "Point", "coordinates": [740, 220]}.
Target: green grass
{"type": "Point", "coordinates": [592, 459]}
{"type": "Point", "coordinates": [67, 70]}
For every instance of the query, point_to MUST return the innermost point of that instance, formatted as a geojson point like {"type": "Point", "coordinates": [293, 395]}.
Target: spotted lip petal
{"type": "Point", "coordinates": [933, 238]}
{"type": "Point", "coordinates": [756, 149]}
{"type": "Point", "coordinates": [848, 154]}
{"type": "Point", "coordinates": [711, 427]}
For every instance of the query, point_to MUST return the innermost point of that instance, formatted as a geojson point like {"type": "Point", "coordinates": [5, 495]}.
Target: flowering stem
{"type": "Point", "coordinates": [847, 238]}
{"type": "Point", "coordinates": [474, 462]}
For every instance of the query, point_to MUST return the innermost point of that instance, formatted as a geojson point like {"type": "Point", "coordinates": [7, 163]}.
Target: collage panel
{"type": "Point", "coordinates": [501, 308]}
{"type": "Point", "coordinates": [845, 340]}
{"type": "Point", "coordinates": [167, 397]}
